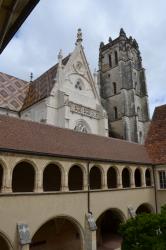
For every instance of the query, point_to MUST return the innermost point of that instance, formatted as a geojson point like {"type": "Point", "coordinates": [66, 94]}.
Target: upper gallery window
{"type": "Point", "coordinates": [110, 60]}
{"type": "Point", "coordinates": [115, 113]}
{"type": "Point", "coordinates": [114, 88]}
{"type": "Point", "coordinates": [116, 57]}
{"type": "Point", "coordinates": [79, 85]}
{"type": "Point", "coordinates": [162, 179]}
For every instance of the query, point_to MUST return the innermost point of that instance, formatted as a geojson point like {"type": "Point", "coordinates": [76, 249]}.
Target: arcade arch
{"type": "Point", "coordinates": [58, 233]}
{"type": "Point", "coordinates": [144, 208]}
{"type": "Point", "coordinates": [95, 177]}
{"type": "Point", "coordinates": [52, 178]}
{"type": "Point", "coordinates": [126, 178]}
{"type": "Point", "coordinates": [137, 177]}
{"type": "Point", "coordinates": [75, 178]}
{"type": "Point", "coordinates": [107, 229]}
{"type": "Point", "coordinates": [23, 178]}
{"type": "Point", "coordinates": [112, 177]}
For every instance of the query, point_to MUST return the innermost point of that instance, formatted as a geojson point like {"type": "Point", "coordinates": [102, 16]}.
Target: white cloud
{"type": "Point", "coordinates": [53, 24]}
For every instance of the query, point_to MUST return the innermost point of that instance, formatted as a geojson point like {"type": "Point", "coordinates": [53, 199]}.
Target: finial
{"type": "Point", "coordinates": [110, 39]}
{"type": "Point", "coordinates": [31, 77]}
{"type": "Point", "coordinates": [60, 55]}
{"type": "Point", "coordinates": [79, 36]}
{"type": "Point", "coordinates": [101, 45]}
{"type": "Point", "coordinates": [122, 33]}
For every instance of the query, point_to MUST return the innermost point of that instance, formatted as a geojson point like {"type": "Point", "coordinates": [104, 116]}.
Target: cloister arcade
{"type": "Point", "coordinates": [25, 176]}
{"type": "Point", "coordinates": [58, 188]}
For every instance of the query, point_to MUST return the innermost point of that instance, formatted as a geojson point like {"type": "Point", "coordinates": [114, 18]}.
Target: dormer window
{"type": "Point", "coordinates": [79, 85]}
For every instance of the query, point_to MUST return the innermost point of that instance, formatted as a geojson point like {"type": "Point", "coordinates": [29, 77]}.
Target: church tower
{"type": "Point", "coordinates": [123, 88]}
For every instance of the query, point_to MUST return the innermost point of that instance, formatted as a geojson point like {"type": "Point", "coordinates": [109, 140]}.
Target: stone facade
{"type": "Point", "coordinates": [123, 88]}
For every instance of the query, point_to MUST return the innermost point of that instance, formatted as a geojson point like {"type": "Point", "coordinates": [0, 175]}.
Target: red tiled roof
{"type": "Point", "coordinates": [42, 86]}
{"type": "Point", "coordinates": [156, 138]}
{"type": "Point", "coordinates": [36, 138]}
{"type": "Point", "coordinates": [12, 92]}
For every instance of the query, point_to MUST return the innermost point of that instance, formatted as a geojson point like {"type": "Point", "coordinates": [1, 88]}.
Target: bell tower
{"type": "Point", "coordinates": [123, 88]}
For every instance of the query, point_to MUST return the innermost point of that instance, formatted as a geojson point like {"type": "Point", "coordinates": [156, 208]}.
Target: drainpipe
{"type": "Point", "coordinates": [88, 198]}
{"type": "Point", "coordinates": [155, 188]}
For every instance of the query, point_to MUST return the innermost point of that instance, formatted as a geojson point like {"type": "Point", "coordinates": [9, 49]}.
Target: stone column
{"type": "Point", "coordinates": [7, 181]}
{"type": "Point", "coordinates": [39, 181]}
{"type": "Point", "coordinates": [132, 179]}
{"type": "Point", "coordinates": [25, 247]}
{"type": "Point", "coordinates": [143, 178]}
{"type": "Point", "coordinates": [85, 181]}
{"type": "Point", "coordinates": [104, 179]}
{"type": "Point", "coordinates": [94, 240]}
{"type": "Point", "coordinates": [119, 180]}
{"type": "Point", "coordinates": [65, 186]}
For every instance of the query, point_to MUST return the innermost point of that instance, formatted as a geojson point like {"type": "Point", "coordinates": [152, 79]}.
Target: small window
{"type": "Point", "coordinates": [139, 112]}
{"type": "Point", "coordinates": [114, 88]}
{"type": "Point", "coordinates": [162, 176]}
{"type": "Point", "coordinates": [116, 58]}
{"type": "Point", "coordinates": [136, 86]}
{"type": "Point", "coordinates": [79, 85]}
{"type": "Point", "coordinates": [115, 113]}
{"type": "Point", "coordinates": [109, 75]}
{"type": "Point", "coordinates": [110, 60]}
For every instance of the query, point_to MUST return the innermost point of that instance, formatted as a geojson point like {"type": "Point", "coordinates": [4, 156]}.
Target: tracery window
{"type": "Point", "coordinates": [82, 126]}
{"type": "Point", "coordinates": [79, 85]}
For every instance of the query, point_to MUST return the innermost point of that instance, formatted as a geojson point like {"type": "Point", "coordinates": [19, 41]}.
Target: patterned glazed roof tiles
{"type": "Point", "coordinates": [12, 92]}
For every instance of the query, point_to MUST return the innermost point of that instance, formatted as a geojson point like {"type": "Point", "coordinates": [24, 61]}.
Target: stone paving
{"type": "Point", "coordinates": [111, 242]}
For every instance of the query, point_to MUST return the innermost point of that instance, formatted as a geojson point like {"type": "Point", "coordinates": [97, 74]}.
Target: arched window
{"type": "Point", "coordinates": [116, 57]}
{"type": "Point", "coordinates": [110, 60]}
{"type": "Point", "coordinates": [148, 177]}
{"type": "Point", "coordinates": [115, 113]}
{"type": "Point", "coordinates": [112, 178]}
{"type": "Point", "coordinates": [75, 178]}
{"type": "Point", "coordinates": [114, 88]}
{"type": "Point", "coordinates": [95, 178]}
{"type": "Point", "coordinates": [139, 112]}
{"type": "Point", "coordinates": [125, 178]}
{"type": "Point", "coordinates": [52, 178]}
{"type": "Point", "coordinates": [1, 177]}
{"type": "Point", "coordinates": [23, 177]}
{"type": "Point", "coordinates": [82, 126]}
{"type": "Point", "coordinates": [140, 136]}
{"type": "Point", "coordinates": [79, 85]}
{"type": "Point", "coordinates": [137, 177]}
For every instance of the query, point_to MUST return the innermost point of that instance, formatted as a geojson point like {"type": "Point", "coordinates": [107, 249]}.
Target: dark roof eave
{"type": "Point", "coordinates": [18, 151]}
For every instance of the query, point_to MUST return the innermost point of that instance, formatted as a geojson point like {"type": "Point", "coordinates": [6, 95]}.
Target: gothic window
{"type": "Point", "coordinates": [115, 113]}
{"type": "Point", "coordinates": [116, 57]}
{"type": "Point", "coordinates": [139, 112]}
{"type": "Point", "coordinates": [162, 177]}
{"type": "Point", "coordinates": [79, 85]}
{"type": "Point", "coordinates": [114, 88]}
{"type": "Point", "coordinates": [110, 61]}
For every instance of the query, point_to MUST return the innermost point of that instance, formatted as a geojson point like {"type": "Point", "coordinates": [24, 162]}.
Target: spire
{"type": "Point", "coordinates": [31, 77]}
{"type": "Point", "coordinates": [79, 36]}
{"type": "Point", "coordinates": [60, 57]}
{"type": "Point", "coordinates": [122, 33]}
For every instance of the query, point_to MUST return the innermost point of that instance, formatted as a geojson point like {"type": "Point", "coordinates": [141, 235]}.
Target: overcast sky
{"type": "Point", "coordinates": [53, 25]}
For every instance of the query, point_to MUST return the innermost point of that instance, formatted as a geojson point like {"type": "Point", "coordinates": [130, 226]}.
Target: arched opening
{"type": "Point", "coordinates": [52, 178]}
{"type": "Point", "coordinates": [1, 177]}
{"type": "Point", "coordinates": [114, 88]}
{"type": "Point", "coordinates": [95, 178]}
{"type": "Point", "coordinates": [110, 60]}
{"type": "Point", "coordinates": [4, 244]}
{"type": "Point", "coordinates": [108, 224]}
{"type": "Point", "coordinates": [125, 178]}
{"type": "Point", "coordinates": [148, 177]}
{"type": "Point", "coordinates": [116, 57]}
{"type": "Point", "coordinates": [144, 208]}
{"type": "Point", "coordinates": [115, 113]}
{"type": "Point", "coordinates": [75, 178]}
{"type": "Point", "coordinates": [23, 177]}
{"type": "Point", "coordinates": [112, 178]}
{"type": "Point", "coordinates": [58, 233]}
{"type": "Point", "coordinates": [137, 177]}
